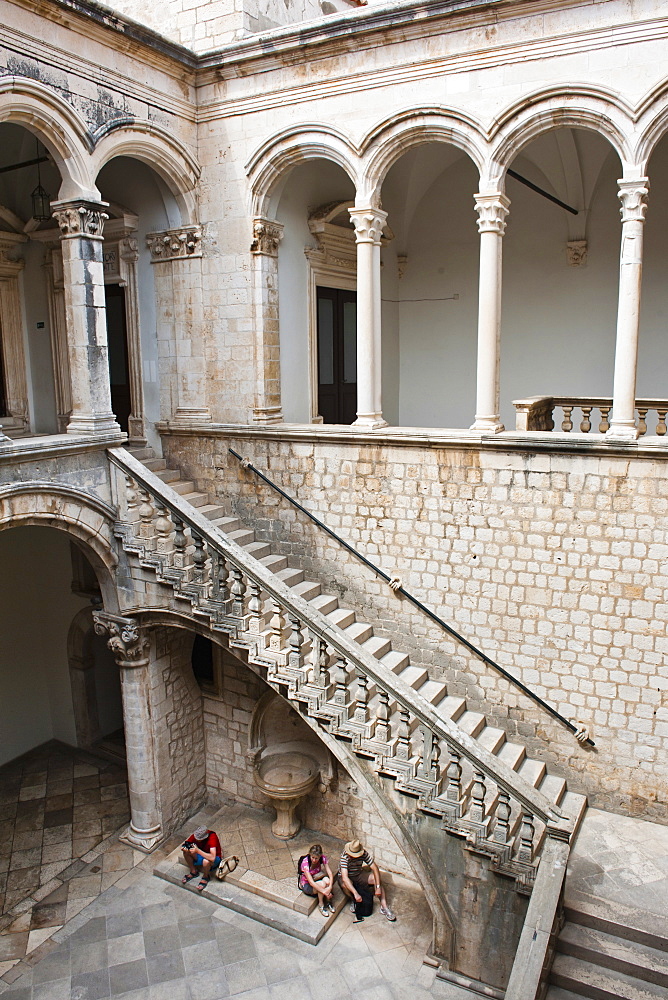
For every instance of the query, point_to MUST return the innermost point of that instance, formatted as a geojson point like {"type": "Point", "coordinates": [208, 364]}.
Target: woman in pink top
{"type": "Point", "coordinates": [315, 878]}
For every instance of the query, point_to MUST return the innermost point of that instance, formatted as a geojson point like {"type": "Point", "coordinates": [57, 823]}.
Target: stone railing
{"type": "Point", "coordinates": [338, 685]}
{"type": "Point", "coordinates": [536, 413]}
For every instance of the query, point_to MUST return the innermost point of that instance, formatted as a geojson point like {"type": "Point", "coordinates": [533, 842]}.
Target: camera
{"type": "Point", "coordinates": [187, 845]}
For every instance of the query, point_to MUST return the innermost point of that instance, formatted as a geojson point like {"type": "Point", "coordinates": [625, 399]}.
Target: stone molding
{"type": "Point", "coordinates": [127, 640]}
{"type": "Point", "coordinates": [175, 244]}
{"type": "Point", "coordinates": [633, 196]}
{"type": "Point", "coordinates": [267, 234]}
{"type": "Point", "coordinates": [576, 251]}
{"type": "Point", "coordinates": [369, 224]}
{"type": "Point", "coordinates": [80, 218]}
{"type": "Point", "coordinates": [492, 210]}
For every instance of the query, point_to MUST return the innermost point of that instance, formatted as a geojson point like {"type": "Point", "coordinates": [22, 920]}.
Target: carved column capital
{"type": "Point", "coordinates": [492, 210]}
{"type": "Point", "coordinates": [267, 234]}
{"type": "Point", "coordinates": [633, 196]}
{"type": "Point", "coordinates": [127, 640]}
{"type": "Point", "coordinates": [175, 244]}
{"type": "Point", "coordinates": [80, 218]}
{"type": "Point", "coordinates": [368, 223]}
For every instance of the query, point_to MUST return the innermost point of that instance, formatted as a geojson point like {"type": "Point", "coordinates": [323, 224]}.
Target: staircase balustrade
{"type": "Point", "coordinates": [536, 413]}
{"type": "Point", "coordinates": [336, 684]}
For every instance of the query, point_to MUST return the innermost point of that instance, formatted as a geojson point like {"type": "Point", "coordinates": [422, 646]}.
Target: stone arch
{"type": "Point", "coordinates": [443, 919]}
{"type": "Point", "coordinates": [158, 149]}
{"type": "Point", "coordinates": [58, 125]}
{"type": "Point", "coordinates": [416, 126]}
{"type": "Point", "coordinates": [585, 108]}
{"type": "Point", "coordinates": [289, 147]}
{"type": "Point", "coordinates": [82, 516]}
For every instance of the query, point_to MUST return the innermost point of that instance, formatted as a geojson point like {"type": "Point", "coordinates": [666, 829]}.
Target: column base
{"type": "Point", "coordinates": [200, 413]}
{"type": "Point", "coordinates": [624, 430]}
{"type": "Point", "coordinates": [490, 425]}
{"type": "Point", "coordinates": [267, 415]}
{"type": "Point", "coordinates": [93, 423]}
{"type": "Point", "coordinates": [369, 421]}
{"type": "Point", "coordinates": [143, 840]}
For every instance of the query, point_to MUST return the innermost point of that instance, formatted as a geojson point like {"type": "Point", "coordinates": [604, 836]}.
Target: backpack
{"type": "Point", "coordinates": [365, 908]}
{"type": "Point", "coordinates": [299, 869]}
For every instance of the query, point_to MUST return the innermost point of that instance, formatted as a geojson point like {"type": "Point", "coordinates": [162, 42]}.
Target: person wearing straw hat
{"type": "Point", "coordinates": [202, 853]}
{"type": "Point", "coordinates": [357, 869]}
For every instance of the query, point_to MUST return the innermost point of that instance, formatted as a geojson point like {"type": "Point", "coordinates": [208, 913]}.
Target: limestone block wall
{"type": "Point", "coordinates": [554, 564]}
{"type": "Point", "coordinates": [176, 709]}
{"type": "Point", "coordinates": [341, 811]}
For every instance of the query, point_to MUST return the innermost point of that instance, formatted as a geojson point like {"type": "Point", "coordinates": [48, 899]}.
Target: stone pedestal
{"type": "Point", "coordinates": [130, 645]}
{"type": "Point", "coordinates": [81, 224]}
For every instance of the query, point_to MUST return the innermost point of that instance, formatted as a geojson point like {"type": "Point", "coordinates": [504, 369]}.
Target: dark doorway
{"type": "Point", "coordinates": [337, 355]}
{"type": "Point", "coordinates": [119, 372]}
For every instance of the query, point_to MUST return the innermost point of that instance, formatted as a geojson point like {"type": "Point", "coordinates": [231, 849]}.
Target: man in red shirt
{"type": "Point", "coordinates": [202, 853]}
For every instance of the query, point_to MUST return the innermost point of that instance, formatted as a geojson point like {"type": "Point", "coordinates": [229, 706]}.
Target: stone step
{"type": "Point", "coordinates": [196, 499]}
{"type": "Point", "coordinates": [242, 536]}
{"type": "Point", "coordinates": [290, 576]}
{"type": "Point", "coordinates": [415, 677]}
{"type": "Point", "coordinates": [258, 549]}
{"type": "Point", "coordinates": [227, 524]}
{"type": "Point", "coordinates": [613, 952]}
{"type": "Point", "coordinates": [452, 707]}
{"type": "Point", "coordinates": [492, 739]}
{"type": "Point", "coordinates": [433, 691]}
{"type": "Point", "coordinates": [587, 980]}
{"type": "Point", "coordinates": [532, 771]}
{"type": "Point", "coordinates": [183, 486]}
{"type": "Point", "coordinates": [377, 646]}
{"type": "Point", "coordinates": [343, 617]}
{"type": "Point", "coordinates": [621, 919]}
{"type": "Point", "coordinates": [144, 455]}
{"type": "Point", "coordinates": [395, 660]}
{"type": "Point", "coordinates": [553, 788]}
{"type": "Point", "coordinates": [556, 993]}
{"type": "Point", "coordinates": [574, 805]}
{"type": "Point", "coordinates": [325, 603]}
{"type": "Point", "coordinates": [512, 754]}
{"type": "Point", "coordinates": [274, 563]}
{"type": "Point", "coordinates": [307, 589]}
{"type": "Point", "coordinates": [359, 632]}
{"type": "Point", "coordinates": [471, 723]}
{"type": "Point", "coordinates": [212, 511]}
{"type": "Point", "coordinates": [170, 476]}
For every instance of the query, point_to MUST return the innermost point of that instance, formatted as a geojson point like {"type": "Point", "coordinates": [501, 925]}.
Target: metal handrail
{"type": "Point", "coordinates": [447, 730]}
{"type": "Point", "coordinates": [410, 597]}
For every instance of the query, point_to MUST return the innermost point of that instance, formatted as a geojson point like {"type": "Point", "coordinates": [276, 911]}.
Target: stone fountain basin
{"type": "Point", "coordinates": [287, 775]}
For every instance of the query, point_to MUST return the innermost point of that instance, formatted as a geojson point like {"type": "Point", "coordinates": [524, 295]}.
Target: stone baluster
{"type": "Point", "coordinates": [368, 223]}
{"type": "Point", "coordinates": [383, 732]}
{"type": "Point", "coordinates": [199, 558]}
{"type": "Point", "coordinates": [340, 678]}
{"type": "Point", "coordinates": [403, 747]}
{"type": "Point", "coordinates": [453, 792]}
{"type": "Point", "coordinates": [361, 713]}
{"type": "Point", "coordinates": [527, 833]}
{"type": "Point", "coordinates": [585, 423]}
{"type": "Point", "coordinates": [661, 422]}
{"type": "Point", "coordinates": [492, 210]}
{"type": "Point", "coordinates": [238, 590]}
{"type": "Point", "coordinates": [146, 513]}
{"type": "Point", "coordinates": [642, 422]}
{"type": "Point", "coordinates": [429, 767]}
{"type": "Point", "coordinates": [477, 810]}
{"type": "Point", "coordinates": [319, 660]}
{"type": "Point", "coordinates": [296, 641]}
{"type": "Point", "coordinates": [180, 543]}
{"type": "Point", "coordinates": [219, 573]}
{"type": "Point", "coordinates": [81, 223]}
{"type": "Point", "coordinates": [255, 617]}
{"type": "Point", "coordinates": [567, 423]}
{"type": "Point", "coordinates": [267, 234]}
{"type": "Point", "coordinates": [604, 423]}
{"type": "Point", "coordinates": [502, 828]}
{"type": "Point", "coordinates": [130, 644]}
{"type": "Point", "coordinates": [163, 528]}
{"type": "Point", "coordinates": [633, 196]}
{"type": "Point", "coordinates": [276, 626]}
{"type": "Point", "coordinates": [131, 500]}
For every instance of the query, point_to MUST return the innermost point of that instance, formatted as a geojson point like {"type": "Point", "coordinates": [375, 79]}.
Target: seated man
{"type": "Point", "coordinates": [202, 853]}
{"type": "Point", "coordinates": [354, 874]}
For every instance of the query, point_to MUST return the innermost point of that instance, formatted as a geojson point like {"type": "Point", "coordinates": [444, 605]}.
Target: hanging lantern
{"type": "Point", "coordinates": [41, 199]}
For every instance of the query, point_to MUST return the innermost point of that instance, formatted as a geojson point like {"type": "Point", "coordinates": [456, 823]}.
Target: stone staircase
{"type": "Point", "coordinates": [449, 707]}
{"type": "Point", "coordinates": [605, 955]}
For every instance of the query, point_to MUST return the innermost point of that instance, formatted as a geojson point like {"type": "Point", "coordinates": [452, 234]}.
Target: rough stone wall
{"type": "Point", "coordinates": [341, 811]}
{"type": "Point", "coordinates": [553, 564]}
{"type": "Point", "coordinates": [176, 708]}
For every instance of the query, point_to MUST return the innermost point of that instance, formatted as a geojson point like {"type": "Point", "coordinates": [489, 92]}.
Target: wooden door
{"type": "Point", "coordinates": [337, 355]}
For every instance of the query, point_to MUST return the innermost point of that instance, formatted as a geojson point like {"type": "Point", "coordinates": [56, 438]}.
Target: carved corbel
{"type": "Point", "coordinates": [127, 640]}
{"type": "Point", "coordinates": [175, 244]}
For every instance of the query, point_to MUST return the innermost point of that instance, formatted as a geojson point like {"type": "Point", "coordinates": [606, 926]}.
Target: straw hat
{"type": "Point", "coordinates": [354, 849]}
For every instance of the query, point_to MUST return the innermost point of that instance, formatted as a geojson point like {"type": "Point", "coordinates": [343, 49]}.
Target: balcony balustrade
{"type": "Point", "coordinates": [536, 413]}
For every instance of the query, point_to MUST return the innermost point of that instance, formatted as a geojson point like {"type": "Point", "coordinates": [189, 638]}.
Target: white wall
{"type": "Point", "coordinates": [41, 389]}
{"type": "Point", "coordinates": [308, 187]}
{"type": "Point", "coordinates": [36, 609]}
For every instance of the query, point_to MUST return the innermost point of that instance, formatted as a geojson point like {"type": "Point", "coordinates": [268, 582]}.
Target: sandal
{"type": "Point", "coordinates": [188, 878]}
{"type": "Point", "coordinates": [202, 884]}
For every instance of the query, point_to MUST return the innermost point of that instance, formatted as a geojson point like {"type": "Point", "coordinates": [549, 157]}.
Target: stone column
{"type": "Point", "coordinates": [130, 644]}
{"type": "Point", "coordinates": [633, 196]}
{"type": "Point", "coordinates": [492, 210]}
{"type": "Point", "coordinates": [81, 224]}
{"type": "Point", "coordinates": [128, 253]}
{"type": "Point", "coordinates": [267, 234]}
{"type": "Point", "coordinates": [368, 224]}
{"type": "Point", "coordinates": [177, 255]}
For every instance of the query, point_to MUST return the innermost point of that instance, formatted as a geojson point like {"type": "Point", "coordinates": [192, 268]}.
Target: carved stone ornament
{"type": "Point", "coordinates": [80, 218]}
{"type": "Point", "coordinates": [129, 248]}
{"type": "Point", "coordinates": [368, 223]}
{"type": "Point", "coordinates": [576, 251]}
{"type": "Point", "coordinates": [127, 640]}
{"type": "Point", "coordinates": [174, 244]}
{"type": "Point", "coordinates": [266, 237]}
{"type": "Point", "coordinates": [633, 196]}
{"type": "Point", "coordinates": [492, 210]}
